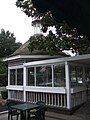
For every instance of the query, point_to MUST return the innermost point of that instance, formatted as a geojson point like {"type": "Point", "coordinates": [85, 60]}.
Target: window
{"type": "Point", "coordinates": [76, 75]}
{"type": "Point", "coordinates": [31, 76]}
{"type": "Point", "coordinates": [16, 76]}
{"type": "Point", "coordinates": [87, 76]}
{"type": "Point", "coordinates": [73, 75]}
{"type": "Point", "coordinates": [44, 76]}
{"type": "Point", "coordinates": [12, 77]}
{"type": "Point", "coordinates": [59, 76]}
{"type": "Point", "coordinates": [20, 76]}
{"type": "Point", "coordinates": [79, 75]}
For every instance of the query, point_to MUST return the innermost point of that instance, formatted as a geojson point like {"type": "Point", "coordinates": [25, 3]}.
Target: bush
{"type": "Point", "coordinates": [4, 94]}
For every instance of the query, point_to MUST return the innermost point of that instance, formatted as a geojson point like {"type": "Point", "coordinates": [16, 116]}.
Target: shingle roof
{"type": "Point", "coordinates": [24, 50]}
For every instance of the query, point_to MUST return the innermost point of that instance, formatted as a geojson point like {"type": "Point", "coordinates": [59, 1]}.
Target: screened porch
{"type": "Point", "coordinates": [58, 82]}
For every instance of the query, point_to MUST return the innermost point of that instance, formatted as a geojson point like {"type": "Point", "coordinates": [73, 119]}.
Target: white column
{"type": "Point", "coordinates": [52, 76]}
{"type": "Point", "coordinates": [68, 85]}
{"type": "Point", "coordinates": [84, 81]}
{"type": "Point", "coordinates": [16, 82]}
{"type": "Point", "coordinates": [9, 95]}
{"type": "Point", "coordinates": [24, 83]}
{"type": "Point", "coordinates": [8, 76]}
{"type": "Point", "coordinates": [35, 76]}
{"type": "Point", "coordinates": [8, 82]}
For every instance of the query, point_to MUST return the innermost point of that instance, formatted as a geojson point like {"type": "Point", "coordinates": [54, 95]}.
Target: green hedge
{"type": "Point", "coordinates": [4, 94]}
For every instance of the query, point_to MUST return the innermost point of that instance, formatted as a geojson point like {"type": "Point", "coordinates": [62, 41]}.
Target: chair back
{"type": "Point", "coordinates": [40, 113]}
{"type": "Point", "coordinates": [41, 103]}
{"type": "Point", "coordinates": [9, 104]}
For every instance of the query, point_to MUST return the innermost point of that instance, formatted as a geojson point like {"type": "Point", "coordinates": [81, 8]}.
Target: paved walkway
{"type": "Point", "coordinates": [82, 113]}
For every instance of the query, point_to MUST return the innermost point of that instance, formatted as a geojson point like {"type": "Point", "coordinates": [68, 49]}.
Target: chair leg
{"type": "Point", "coordinates": [8, 116]}
{"type": "Point", "coordinates": [17, 117]}
{"type": "Point", "coordinates": [11, 117]}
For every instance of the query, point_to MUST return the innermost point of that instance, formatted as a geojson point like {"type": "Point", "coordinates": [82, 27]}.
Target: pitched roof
{"type": "Point", "coordinates": [24, 50]}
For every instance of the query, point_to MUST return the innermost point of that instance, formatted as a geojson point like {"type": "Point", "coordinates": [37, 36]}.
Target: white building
{"type": "Point", "coordinates": [58, 81]}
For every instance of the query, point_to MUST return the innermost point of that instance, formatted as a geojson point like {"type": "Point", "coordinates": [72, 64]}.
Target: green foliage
{"type": "Point", "coordinates": [4, 94]}
{"type": "Point", "coordinates": [7, 43]}
{"type": "Point", "coordinates": [47, 44]}
{"type": "Point", "coordinates": [65, 38]}
{"type": "Point", "coordinates": [7, 47]}
{"type": "Point", "coordinates": [3, 73]}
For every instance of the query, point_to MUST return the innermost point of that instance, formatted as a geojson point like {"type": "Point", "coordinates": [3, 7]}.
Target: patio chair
{"type": "Point", "coordinates": [12, 112]}
{"type": "Point", "coordinates": [41, 103]}
{"type": "Point", "coordinates": [39, 114]}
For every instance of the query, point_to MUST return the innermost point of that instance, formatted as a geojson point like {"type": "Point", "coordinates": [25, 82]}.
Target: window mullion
{"type": "Point", "coordinates": [35, 76]}
{"type": "Point", "coordinates": [52, 75]}
{"type": "Point", "coordinates": [15, 76]}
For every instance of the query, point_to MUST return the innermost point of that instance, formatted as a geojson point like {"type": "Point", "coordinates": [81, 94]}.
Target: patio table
{"type": "Point", "coordinates": [25, 109]}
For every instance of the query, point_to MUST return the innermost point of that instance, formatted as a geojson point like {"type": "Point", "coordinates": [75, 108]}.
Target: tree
{"type": "Point", "coordinates": [53, 45]}
{"type": "Point", "coordinates": [3, 74]}
{"type": "Point", "coordinates": [45, 44]}
{"type": "Point", "coordinates": [75, 12]}
{"type": "Point", "coordinates": [7, 43]}
{"type": "Point", "coordinates": [7, 47]}
{"type": "Point", "coordinates": [65, 38]}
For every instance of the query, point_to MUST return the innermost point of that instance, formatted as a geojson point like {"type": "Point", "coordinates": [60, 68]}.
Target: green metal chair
{"type": "Point", "coordinates": [12, 112]}
{"type": "Point", "coordinates": [41, 103]}
{"type": "Point", "coordinates": [39, 114]}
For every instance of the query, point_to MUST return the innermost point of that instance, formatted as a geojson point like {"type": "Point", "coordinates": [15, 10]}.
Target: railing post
{"type": "Point", "coordinates": [68, 89]}
{"type": "Point", "coordinates": [24, 83]}
{"type": "Point", "coordinates": [52, 75]}
{"type": "Point", "coordinates": [8, 83]}
{"type": "Point", "coordinates": [35, 76]}
{"type": "Point", "coordinates": [8, 76]}
{"type": "Point", "coordinates": [84, 75]}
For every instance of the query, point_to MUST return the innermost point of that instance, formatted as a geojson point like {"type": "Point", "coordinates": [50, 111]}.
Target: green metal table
{"type": "Point", "coordinates": [25, 109]}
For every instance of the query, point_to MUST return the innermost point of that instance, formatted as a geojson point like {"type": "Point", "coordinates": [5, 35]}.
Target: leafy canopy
{"type": "Point", "coordinates": [64, 38]}
{"type": "Point", "coordinates": [3, 74]}
{"type": "Point", "coordinates": [7, 47]}
{"type": "Point", "coordinates": [7, 43]}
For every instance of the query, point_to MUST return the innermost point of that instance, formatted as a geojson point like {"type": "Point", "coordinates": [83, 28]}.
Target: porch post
{"type": "Point", "coordinates": [84, 75]}
{"type": "Point", "coordinates": [8, 82]}
{"type": "Point", "coordinates": [52, 75]}
{"type": "Point", "coordinates": [68, 89]}
{"type": "Point", "coordinates": [24, 83]}
{"type": "Point", "coordinates": [8, 76]}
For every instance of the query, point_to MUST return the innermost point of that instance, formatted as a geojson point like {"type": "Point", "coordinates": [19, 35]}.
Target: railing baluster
{"type": "Point", "coordinates": [52, 99]}
{"type": "Point", "coordinates": [64, 101]}
{"type": "Point", "coordinates": [41, 97]}
{"type": "Point", "coordinates": [61, 100]}
{"type": "Point", "coordinates": [35, 97]}
{"type": "Point", "coordinates": [58, 100]}
{"type": "Point", "coordinates": [49, 98]}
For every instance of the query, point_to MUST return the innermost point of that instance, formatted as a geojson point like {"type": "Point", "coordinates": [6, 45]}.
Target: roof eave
{"type": "Point", "coordinates": [28, 57]}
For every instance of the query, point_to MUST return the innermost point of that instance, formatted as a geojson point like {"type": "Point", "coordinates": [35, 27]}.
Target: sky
{"type": "Point", "coordinates": [14, 20]}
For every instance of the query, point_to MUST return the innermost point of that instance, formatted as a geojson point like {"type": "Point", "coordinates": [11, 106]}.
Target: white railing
{"type": "Point", "coordinates": [78, 98]}
{"type": "Point", "coordinates": [15, 95]}
{"type": "Point", "coordinates": [51, 99]}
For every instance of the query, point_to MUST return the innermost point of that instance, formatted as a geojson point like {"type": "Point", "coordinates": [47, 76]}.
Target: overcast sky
{"type": "Point", "coordinates": [14, 20]}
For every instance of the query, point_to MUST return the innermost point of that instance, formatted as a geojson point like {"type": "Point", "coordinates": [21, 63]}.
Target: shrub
{"type": "Point", "coordinates": [4, 94]}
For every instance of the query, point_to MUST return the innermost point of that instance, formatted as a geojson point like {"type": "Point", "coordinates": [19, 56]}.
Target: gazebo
{"type": "Point", "coordinates": [60, 81]}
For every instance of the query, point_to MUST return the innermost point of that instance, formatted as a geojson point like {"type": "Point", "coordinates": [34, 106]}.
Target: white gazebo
{"type": "Point", "coordinates": [58, 81]}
